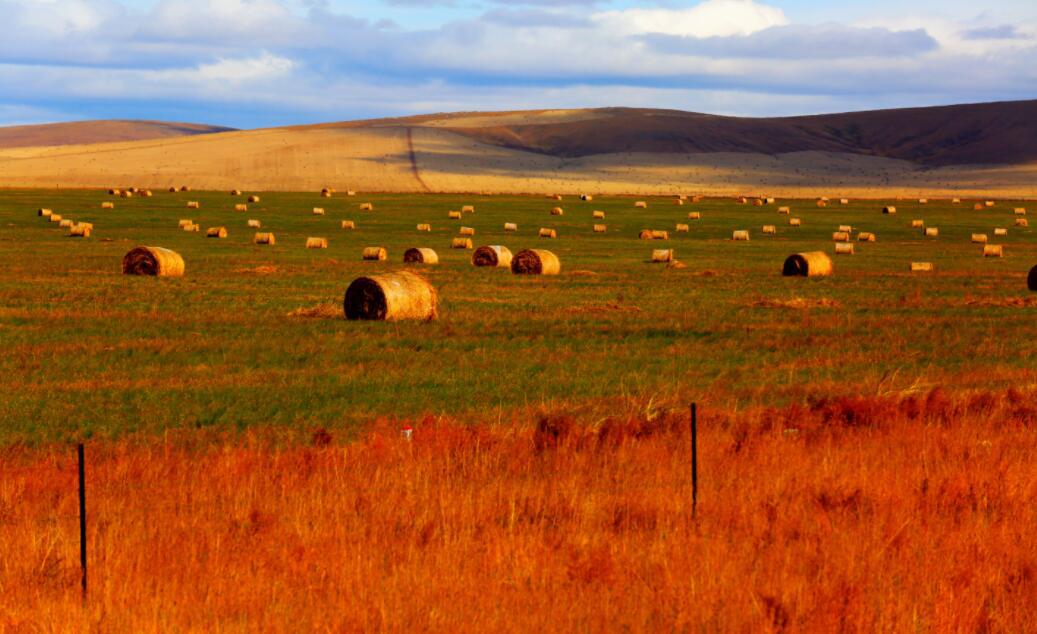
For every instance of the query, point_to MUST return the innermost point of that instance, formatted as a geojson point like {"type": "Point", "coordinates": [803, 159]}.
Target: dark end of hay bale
{"type": "Point", "coordinates": [365, 300]}
{"type": "Point", "coordinates": [1031, 279]}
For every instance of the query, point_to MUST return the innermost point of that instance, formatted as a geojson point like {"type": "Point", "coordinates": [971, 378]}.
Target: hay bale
{"type": "Point", "coordinates": [316, 243]}
{"type": "Point", "coordinates": [194, 204]}
{"type": "Point", "coordinates": [641, 205]}
{"type": "Point", "coordinates": [586, 198]}
{"type": "Point", "coordinates": [264, 238]}
{"type": "Point", "coordinates": [44, 213]}
{"type": "Point", "coordinates": [1022, 222]}
{"type": "Point", "coordinates": [391, 297]}
{"type": "Point", "coordinates": [769, 200]}
{"type": "Point", "coordinates": [172, 190]}
{"type": "Point", "coordinates": [844, 201]}
{"type": "Point", "coordinates": [1000, 232]}
{"type": "Point", "coordinates": [822, 203]}
{"type": "Point", "coordinates": [318, 211]}
{"type": "Point", "coordinates": [185, 188]}
{"type": "Point", "coordinates": [770, 230]}
{"type": "Point", "coordinates": [932, 232]}
{"type": "Point", "coordinates": [841, 236]}
{"type": "Point", "coordinates": [453, 215]}
{"type": "Point", "coordinates": [889, 210]}
{"type": "Point", "coordinates": [977, 207]}
{"type": "Point", "coordinates": [845, 228]}
{"type": "Point", "coordinates": [192, 228]}
{"type": "Point", "coordinates": [809, 264]}
{"type": "Point", "coordinates": [645, 234]}
{"type": "Point", "coordinates": [741, 200]}
{"type": "Point", "coordinates": [153, 261]}
{"type": "Point", "coordinates": [547, 233]}
{"type": "Point", "coordinates": [114, 192]}
{"type": "Point", "coordinates": [679, 202]}
{"type": "Point", "coordinates": [510, 226]}
{"type": "Point", "coordinates": [348, 224]}
{"type": "Point", "coordinates": [865, 236]}
{"type": "Point", "coordinates": [420, 255]}
{"type": "Point", "coordinates": [493, 255]}
{"type": "Point", "coordinates": [695, 215]}
{"type": "Point", "coordinates": [917, 224]}
{"type": "Point", "coordinates": [107, 205]}
{"type": "Point", "coordinates": [254, 224]}
{"type": "Point", "coordinates": [146, 193]}
{"type": "Point", "coordinates": [461, 243]}
{"type": "Point", "coordinates": [88, 225]}
{"type": "Point", "coordinates": [989, 203]}
{"type": "Point", "coordinates": [784, 210]}
{"type": "Point", "coordinates": [662, 255]}
{"type": "Point", "coordinates": [682, 228]}
{"type": "Point", "coordinates": [598, 215]}
{"type": "Point", "coordinates": [696, 199]}
{"type": "Point", "coordinates": [795, 222]}
{"type": "Point", "coordinates": [843, 248]}
{"type": "Point", "coordinates": [235, 192]}
{"type": "Point", "coordinates": [600, 228]}
{"type": "Point", "coordinates": [758, 202]}
{"type": "Point", "coordinates": [325, 194]}
{"type": "Point", "coordinates": [1020, 211]}
{"type": "Point", "coordinates": [425, 227]}
{"type": "Point", "coordinates": [922, 267]}
{"type": "Point", "coordinates": [557, 211]}
{"type": "Point", "coordinates": [350, 193]}
{"type": "Point", "coordinates": [80, 231]}
{"type": "Point", "coordinates": [375, 254]}
{"type": "Point", "coordinates": [555, 197]}
{"type": "Point", "coordinates": [955, 201]}
{"type": "Point", "coordinates": [65, 223]}
{"type": "Point", "coordinates": [185, 222]}
{"type": "Point", "coordinates": [253, 198]}
{"type": "Point", "coordinates": [1031, 279]}
{"type": "Point", "coordinates": [923, 201]}
{"type": "Point", "coordinates": [468, 209]}
{"type": "Point", "coordinates": [979, 238]}
{"type": "Point", "coordinates": [467, 231]}
{"type": "Point", "coordinates": [241, 207]}
{"type": "Point", "coordinates": [216, 232]}
{"type": "Point", "coordinates": [366, 207]}
{"type": "Point", "coordinates": [126, 194]}
{"type": "Point", "coordinates": [658, 234]}
{"type": "Point", "coordinates": [740, 235]}
{"type": "Point", "coordinates": [993, 251]}
{"type": "Point", "coordinates": [535, 262]}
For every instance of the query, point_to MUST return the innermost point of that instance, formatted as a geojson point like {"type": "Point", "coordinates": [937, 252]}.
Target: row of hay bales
{"type": "Point", "coordinates": [75, 229]}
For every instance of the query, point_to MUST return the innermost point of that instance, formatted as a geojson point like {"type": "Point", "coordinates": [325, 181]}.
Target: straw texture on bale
{"type": "Point", "coordinates": [557, 211]}
{"type": "Point", "coordinates": [1031, 279]}
{"type": "Point", "coordinates": [921, 267]}
{"type": "Point", "coordinates": [770, 230]}
{"type": "Point", "coordinates": [640, 205]}
{"type": "Point", "coordinates": [993, 251]}
{"type": "Point", "coordinates": [43, 213]}
{"type": "Point", "coordinates": [194, 204]}
{"type": "Point", "coordinates": [254, 224]}
{"type": "Point", "coordinates": [695, 215]}
{"type": "Point", "coordinates": [547, 233]}
{"type": "Point", "coordinates": [784, 210]}
{"type": "Point", "coordinates": [391, 297]}
{"type": "Point", "coordinates": [841, 236]}
{"type": "Point", "coordinates": [318, 211]}
{"type": "Point", "coordinates": [493, 255]}
{"type": "Point", "coordinates": [253, 199]}
{"type": "Point", "coordinates": [809, 264]}
{"type": "Point", "coordinates": [316, 243]}
{"type": "Point", "coordinates": [366, 207]}
{"type": "Point", "coordinates": [108, 205]}
{"type": "Point", "coordinates": [468, 209]}
{"type": "Point", "coordinates": [467, 231]}
{"type": "Point", "coordinates": [461, 243]}
{"type": "Point", "coordinates": [865, 236]}
{"type": "Point", "coordinates": [510, 226]}
{"type": "Point", "coordinates": [374, 253]}
{"type": "Point", "coordinates": [424, 227]}
{"type": "Point", "coordinates": [979, 238]}
{"type": "Point", "coordinates": [1000, 232]}
{"type": "Point", "coordinates": [348, 224]}
{"type": "Point", "coordinates": [535, 262]}
{"type": "Point", "coordinates": [795, 222]}
{"type": "Point", "coordinates": [843, 248]}
{"type": "Point", "coordinates": [682, 228]}
{"type": "Point", "coordinates": [264, 238]}
{"type": "Point", "coordinates": [600, 228]}
{"type": "Point", "coordinates": [79, 231]}
{"type": "Point", "coordinates": [454, 215]}
{"type": "Point", "coordinates": [662, 255]}
{"type": "Point", "coordinates": [740, 235]}
{"type": "Point", "coordinates": [598, 215]}
{"type": "Point", "coordinates": [241, 207]}
{"type": "Point", "coordinates": [153, 261]}
{"type": "Point", "coordinates": [420, 255]}
{"type": "Point", "coordinates": [216, 232]}
{"type": "Point", "coordinates": [889, 209]}
{"type": "Point", "coordinates": [1022, 222]}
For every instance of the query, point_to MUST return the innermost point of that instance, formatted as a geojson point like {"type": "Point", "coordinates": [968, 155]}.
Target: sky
{"type": "Point", "coordinates": [261, 63]}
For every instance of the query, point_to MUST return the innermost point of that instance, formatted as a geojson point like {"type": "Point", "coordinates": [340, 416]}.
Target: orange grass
{"type": "Point", "coordinates": [906, 513]}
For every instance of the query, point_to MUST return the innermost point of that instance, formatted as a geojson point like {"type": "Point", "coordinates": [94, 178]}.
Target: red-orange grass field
{"type": "Point", "coordinates": [856, 515]}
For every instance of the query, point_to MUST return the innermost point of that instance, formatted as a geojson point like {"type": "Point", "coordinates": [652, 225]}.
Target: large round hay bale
{"type": "Point", "coordinates": [977, 207]}
{"type": "Point", "coordinates": [740, 235]}
{"type": "Point", "coordinates": [770, 230]}
{"type": "Point", "coordinates": [235, 192]}
{"type": "Point", "coordinates": [153, 261]}
{"type": "Point", "coordinates": [468, 209]}
{"type": "Point", "coordinates": [695, 215]}
{"type": "Point", "coordinates": [216, 232]}
{"type": "Point", "coordinates": [65, 223]}
{"type": "Point", "coordinates": [185, 222]}
{"type": "Point", "coordinates": [1000, 232]}
{"type": "Point", "coordinates": [419, 255]}
{"type": "Point", "coordinates": [682, 228]}
{"type": "Point", "coordinates": [194, 204]}
{"type": "Point", "coordinates": [316, 243]}
{"type": "Point", "coordinates": [658, 234]}
{"type": "Point", "coordinates": [932, 232]}
{"type": "Point", "coordinates": [841, 236]}
{"type": "Point", "coordinates": [784, 210]}
{"type": "Point", "coordinates": [254, 224]}
{"type": "Point", "coordinates": [866, 236]}
{"type": "Point", "coordinates": [809, 264]}
{"type": "Point", "coordinates": [264, 238]}
{"type": "Point", "coordinates": [107, 205]}
{"type": "Point", "coordinates": [586, 198]}
{"type": "Point", "coordinates": [185, 188]}
{"type": "Point", "coordinates": [795, 222]}
{"type": "Point", "coordinates": [645, 234]}
{"type": "Point", "coordinates": [1022, 222]}
{"type": "Point", "coordinates": [172, 190]}
{"type": "Point", "coordinates": [374, 253]}
{"type": "Point", "coordinates": [641, 205]}
{"type": "Point", "coordinates": [54, 218]}
{"type": "Point", "coordinates": [492, 255]}
{"type": "Point", "coordinates": [1020, 211]}
{"type": "Point", "coordinates": [391, 297]}
{"type": "Point", "coordinates": [922, 267]}
{"type": "Point", "coordinates": [536, 262]}
{"type": "Point", "coordinates": [366, 206]}
{"type": "Point", "coordinates": [1031, 279]}
{"type": "Point", "coordinates": [192, 228]}
{"type": "Point", "coordinates": [917, 224]}
{"type": "Point", "coordinates": [348, 224]}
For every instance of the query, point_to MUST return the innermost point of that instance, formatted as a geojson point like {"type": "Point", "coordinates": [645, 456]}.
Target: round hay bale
{"type": "Point", "coordinates": [325, 194]}
{"type": "Point", "coordinates": [467, 231]}
{"type": "Point", "coordinates": [44, 213]}
{"type": "Point", "coordinates": [932, 232]}
{"type": "Point", "coordinates": [254, 224]}
{"type": "Point", "coordinates": [1000, 232]}
{"type": "Point", "coordinates": [555, 197]}
{"type": "Point", "coordinates": [374, 253]}
{"type": "Point", "coordinates": [955, 201]}
{"type": "Point", "coordinates": [468, 209]}
{"type": "Point", "coordinates": [535, 262]}
{"type": "Point", "coordinates": [185, 222]}
{"type": "Point", "coordinates": [662, 255]}
{"type": "Point", "coordinates": [172, 190]}
{"type": "Point", "coordinates": [253, 198]}
{"type": "Point", "coordinates": [235, 192]}
{"type": "Point", "coordinates": [510, 226]}
{"type": "Point", "coordinates": [126, 194]}
{"type": "Point", "coordinates": [493, 255]}
{"type": "Point", "coordinates": [194, 204]}
{"type": "Point", "coordinates": [841, 236]}
{"type": "Point", "coordinates": [586, 198]}
{"type": "Point", "coordinates": [65, 223]}
{"type": "Point", "coordinates": [548, 233]}
{"type": "Point", "coordinates": [846, 228]}
{"type": "Point", "coordinates": [795, 222]}
{"type": "Point", "coordinates": [922, 267]}
{"type": "Point", "coordinates": [453, 215]}
{"type": "Point", "coordinates": [80, 231]}
{"type": "Point", "coordinates": [425, 227]}
{"type": "Point", "coordinates": [695, 215]}
{"type": "Point", "coordinates": [979, 238]}
{"type": "Point", "coordinates": [889, 209]}
{"type": "Point", "coordinates": [641, 205]}
{"type": "Point", "coordinates": [601, 228]}
{"type": "Point", "coordinates": [660, 235]}
{"type": "Point", "coordinates": [843, 248]}
{"type": "Point", "coordinates": [598, 215]}
{"type": "Point", "coordinates": [784, 211]}
{"type": "Point", "coordinates": [866, 236]}
{"type": "Point", "coordinates": [241, 207]}
{"type": "Point", "coordinates": [461, 243]}
{"type": "Point", "coordinates": [216, 232]}
{"type": "Point", "coordinates": [977, 207]}
{"type": "Point", "coordinates": [822, 203]}
{"type": "Point", "coordinates": [113, 192]}
{"type": "Point", "coordinates": [366, 206]}
{"type": "Point", "coordinates": [1020, 211]}
{"type": "Point", "coordinates": [348, 224]}
{"type": "Point", "coordinates": [264, 238]}
{"type": "Point", "coordinates": [557, 211]}
{"type": "Point", "coordinates": [740, 235]}
{"type": "Point", "coordinates": [844, 201]}
{"type": "Point", "coordinates": [192, 228]}
{"type": "Point", "coordinates": [1022, 222]}
{"type": "Point", "coordinates": [391, 297]}
{"type": "Point", "coordinates": [645, 234]}
{"type": "Point", "coordinates": [809, 264]}
{"type": "Point", "coordinates": [88, 225]}
{"type": "Point", "coordinates": [679, 202]}
{"type": "Point", "coordinates": [758, 202]}
{"type": "Point", "coordinates": [993, 251]}
{"type": "Point", "coordinates": [316, 243]}
{"type": "Point", "coordinates": [107, 205]}
{"type": "Point", "coordinates": [420, 255]}
{"type": "Point", "coordinates": [682, 228]}
{"type": "Point", "coordinates": [741, 200]}
{"type": "Point", "coordinates": [770, 230]}
{"type": "Point", "coordinates": [1031, 279]}
{"type": "Point", "coordinates": [318, 211]}
{"type": "Point", "coordinates": [989, 203]}
{"type": "Point", "coordinates": [185, 188]}
{"type": "Point", "coordinates": [153, 261]}
{"type": "Point", "coordinates": [351, 192]}
{"type": "Point", "coordinates": [917, 224]}
{"type": "Point", "coordinates": [923, 201]}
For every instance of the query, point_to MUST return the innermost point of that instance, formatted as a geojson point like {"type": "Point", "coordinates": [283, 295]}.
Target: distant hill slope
{"type": "Point", "coordinates": [993, 133]}
{"type": "Point", "coordinates": [87, 132]}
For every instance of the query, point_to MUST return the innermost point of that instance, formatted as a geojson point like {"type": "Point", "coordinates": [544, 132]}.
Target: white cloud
{"type": "Point", "coordinates": [712, 18]}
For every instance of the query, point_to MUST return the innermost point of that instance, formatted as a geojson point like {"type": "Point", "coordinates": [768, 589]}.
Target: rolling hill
{"type": "Point", "coordinates": [87, 132]}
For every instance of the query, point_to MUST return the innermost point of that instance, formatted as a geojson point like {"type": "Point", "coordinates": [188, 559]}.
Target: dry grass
{"type": "Point", "coordinates": [845, 514]}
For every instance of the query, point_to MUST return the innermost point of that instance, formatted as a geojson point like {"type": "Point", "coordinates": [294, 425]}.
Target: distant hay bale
{"type": "Point", "coordinates": [662, 255]}
{"type": "Point", "coordinates": [535, 262]}
{"type": "Point", "coordinates": [65, 223]}
{"type": "Point", "coordinates": [391, 297]}
{"type": "Point", "coordinates": [325, 194]}
{"type": "Point", "coordinates": [993, 251]}
{"type": "Point", "coordinates": [843, 248]}
{"type": "Point", "coordinates": [254, 224]}
{"type": "Point", "coordinates": [555, 197]}
{"type": "Point", "coordinates": [461, 243]}
{"type": "Point", "coordinates": [822, 203]}
{"type": "Point", "coordinates": [146, 193]}
{"type": "Point", "coordinates": [424, 227]}
{"type": "Point", "coordinates": [235, 192]}
{"type": "Point", "coordinates": [740, 235]}
{"type": "Point", "coordinates": [493, 255]}
{"type": "Point", "coordinates": [977, 207]}
{"type": "Point", "coordinates": [467, 231]}
{"type": "Point", "coordinates": [318, 211]}
{"type": "Point", "coordinates": [194, 204]}
{"type": "Point", "coordinates": [784, 210]}
{"type": "Point", "coordinates": [216, 232]}
{"type": "Point", "coordinates": [824, 199]}
{"type": "Point", "coordinates": [770, 230]}
{"type": "Point", "coordinates": [658, 234]}
{"type": "Point", "coordinates": [253, 198]}
{"type": "Point", "coordinates": [979, 238]}
{"type": "Point", "coordinates": [1022, 222]}
{"type": "Point", "coordinates": [454, 215]}
{"type": "Point", "coordinates": [809, 264]}
{"type": "Point", "coordinates": [586, 197]}
{"type": "Point", "coordinates": [1031, 279]}
{"type": "Point", "coordinates": [44, 213]}
{"type": "Point", "coordinates": [600, 228]}
{"type": "Point", "coordinates": [645, 234]}
{"type": "Point", "coordinates": [865, 236]}
{"type": "Point", "coordinates": [126, 194]}
{"type": "Point", "coordinates": [1000, 232]}
{"type": "Point", "coordinates": [695, 215]}
{"type": "Point", "coordinates": [510, 226]}
{"type": "Point", "coordinates": [769, 200]}
{"type": "Point", "coordinates": [841, 236]}
{"type": "Point", "coordinates": [682, 228]}
{"type": "Point", "coordinates": [955, 201]}
{"type": "Point", "coordinates": [350, 193]}
{"type": "Point", "coordinates": [989, 203]}
{"type": "Point", "coordinates": [889, 209]}
{"type": "Point", "coordinates": [640, 205]}
{"type": "Point", "coordinates": [185, 222]}
{"type": "Point", "coordinates": [795, 222]}
{"type": "Point", "coordinates": [348, 224]}
{"type": "Point", "coordinates": [172, 190]}
{"type": "Point", "coordinates": [922, 267]}
{"type": "Point", "coordinates": [932, 232]}
{"type": "Point", "coordinates": [547, 233]}
{"type": "Point", "coordinates": [468, 209]}
{"type": "Point", "coordinates": [845, 228]}
{"type": "Point", "coordinates": [80, 231]}
{"type": "Point", "coordinates": [420, 255]}
{"type": "Point", "coordinates": [264, 238]}
{"type": "Point", "coordinates": [917, 224]}
{"type": "Point", "coordinates": [185, 188]}
{"type": "Point", "coordinates": [241, 207]}
{"type": "Point", "coordinates": [696, 199]}
{"type": "Point", "coordinates": [758, 202]}
{"type": "Point", "coordinates": [316, 243]}
{"type": "Point", "coordinates": [192, 228]}
{"type": "Point", "coordinates": [844, 201]}
{"type": "Point", "coordinates": [679, 202]}
{"type": "Point", "coordinates": [156, 261]}
{"type": "Point", "coordinates": [114, 192]}
{"type": "Point", "coordinates": [598, 215]}
{"type": "Point", "coordinates": [923, 201]}
{"type": "Point", "coordinates": [1020, 211]}
{"type": "Point", "coordinates": [557, 211]}
{"type": "Point", "coordinates": [374, 253]}
{"type": "Point", "coordinates": [741, 200]}
{"type": "Point", "coordinates": [88, 225]}
{"type": "Point", "coordinates": [107, 205]}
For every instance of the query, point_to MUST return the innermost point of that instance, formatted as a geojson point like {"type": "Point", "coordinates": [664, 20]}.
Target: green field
{"type": "Point", "coordinates": [91, 352]}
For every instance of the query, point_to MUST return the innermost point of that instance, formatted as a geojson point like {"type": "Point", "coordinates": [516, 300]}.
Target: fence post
{"type": "Point", "coordinates": [82, 517]}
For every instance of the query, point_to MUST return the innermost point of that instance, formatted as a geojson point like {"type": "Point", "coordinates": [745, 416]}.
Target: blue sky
{"type": "Point", "coordinates": [254, 63]}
